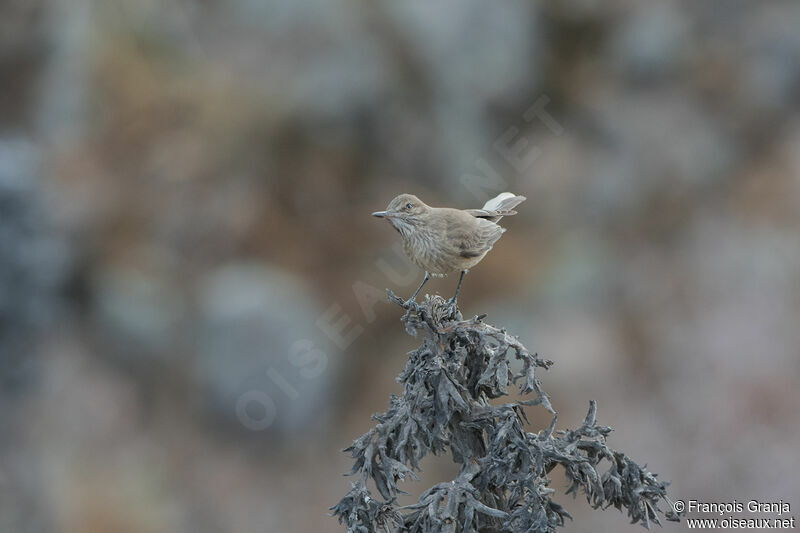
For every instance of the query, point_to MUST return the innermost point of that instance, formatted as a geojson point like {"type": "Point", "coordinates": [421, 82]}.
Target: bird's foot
{"type": "Point", "coordinates": [408, 310]}
{"type": "Point", "coordinates": [452, 305]}
{"type": "Point", "coordinates": [410, 305]}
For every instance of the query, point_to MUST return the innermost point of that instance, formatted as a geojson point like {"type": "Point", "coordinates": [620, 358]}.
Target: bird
{"type": "Point", "coordinates": [443, 240]}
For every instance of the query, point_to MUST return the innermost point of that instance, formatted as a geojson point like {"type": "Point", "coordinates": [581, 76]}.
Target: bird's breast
{"type": "Point", "coordinates": [430, 252]}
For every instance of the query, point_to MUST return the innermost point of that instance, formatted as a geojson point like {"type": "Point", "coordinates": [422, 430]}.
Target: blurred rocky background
{"type": "Point", "coordinates": [192, 320]}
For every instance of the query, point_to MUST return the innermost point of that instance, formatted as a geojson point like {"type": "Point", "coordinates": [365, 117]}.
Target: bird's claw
{"type": "Point", "coordinates": [452, 305]}
{"type": "Point", "coordinates": [410, 305]}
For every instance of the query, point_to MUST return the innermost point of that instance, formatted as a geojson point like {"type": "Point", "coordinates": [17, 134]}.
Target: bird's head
{"type": "Point", "coordinates": [405, 213]}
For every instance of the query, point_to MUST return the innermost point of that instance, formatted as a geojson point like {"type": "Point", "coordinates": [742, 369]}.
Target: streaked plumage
{"type": "Point", "coordinates": [441, 240]}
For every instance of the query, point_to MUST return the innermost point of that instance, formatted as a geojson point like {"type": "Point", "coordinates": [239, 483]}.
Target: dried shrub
{"type": "Point", "coordinates": [502, 484]}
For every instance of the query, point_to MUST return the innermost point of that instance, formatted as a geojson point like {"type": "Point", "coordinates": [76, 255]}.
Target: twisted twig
{"type": "Point", "coordinates": [503, 482]}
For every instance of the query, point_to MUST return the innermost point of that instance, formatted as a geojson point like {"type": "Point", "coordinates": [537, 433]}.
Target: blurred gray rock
{"type": "Point", "coordinates": [414, 78]}
{"type": "Point", "coordinates": [23, 47]}
{"type": "Point", "coordinates": [468, 67]}
{"type": "Point", "coordinates": [139, 309]}
{"type": "Point", "coordinates": [62, 109]}
{"type": "Point", "coordinates": [655, 143]}
{"type": "Point", "coordinates": [313, 58]}
{"type": "Point", "coordinates": [771, 51]}
{"type": "Point", "coordinates": [653, 39]}
{"type": "Point", "coordinates": [33, 262]}
{"type": "Point", "coordinates": [257, 326]}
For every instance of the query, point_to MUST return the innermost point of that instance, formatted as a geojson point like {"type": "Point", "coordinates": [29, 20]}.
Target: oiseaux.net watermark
{"type": "Point", "coordinates": [735, 514]}
{"type": "Point", "coordinates": [517, 151]}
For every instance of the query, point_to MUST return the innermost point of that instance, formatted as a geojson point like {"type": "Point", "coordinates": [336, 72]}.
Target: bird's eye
{"type": "Point", "coordinates": [408, 206]}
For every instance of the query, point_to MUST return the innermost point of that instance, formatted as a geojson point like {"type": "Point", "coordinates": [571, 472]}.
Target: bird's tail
{"type": "Point", "coordinates": [498, 207]}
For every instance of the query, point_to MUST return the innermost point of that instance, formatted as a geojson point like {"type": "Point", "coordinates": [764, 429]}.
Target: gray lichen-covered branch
{"type": "Point", "coordinates": [502, 484]}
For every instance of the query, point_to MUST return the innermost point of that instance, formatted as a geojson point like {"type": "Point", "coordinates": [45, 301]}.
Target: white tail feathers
{"type": "Point", "coordinates": [498, 207]}
{"type": "Point", "coordinates": [503, 202]}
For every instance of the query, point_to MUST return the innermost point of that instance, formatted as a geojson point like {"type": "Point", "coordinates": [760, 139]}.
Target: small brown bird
{"type": "Point", "coordinates": [441, 240]}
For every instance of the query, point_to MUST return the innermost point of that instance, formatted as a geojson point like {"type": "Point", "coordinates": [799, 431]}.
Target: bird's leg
{"type": "Point", "coordinates": [414, 296]}
{"type": "Point", "coordinates": [424, 281]}
{"type": "Point", "coordinates": [458, 288]}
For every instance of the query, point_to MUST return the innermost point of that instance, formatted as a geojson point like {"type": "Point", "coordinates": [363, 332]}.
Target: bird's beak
{"type": "Point", "coordinates": [379, 214]}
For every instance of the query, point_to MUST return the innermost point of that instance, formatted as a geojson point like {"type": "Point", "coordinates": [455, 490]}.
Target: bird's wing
{"type": "Point", "coordinates": [472, 237]}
